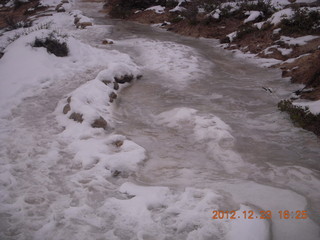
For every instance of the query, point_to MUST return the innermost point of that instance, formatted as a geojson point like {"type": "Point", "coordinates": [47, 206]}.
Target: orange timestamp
{"type": "Point", "coordinates": [250, 214]}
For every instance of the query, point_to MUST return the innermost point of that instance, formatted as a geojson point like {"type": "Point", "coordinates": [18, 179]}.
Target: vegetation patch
{"type": "Point", "coordinates": [301, 117]}
{"type": "Point", "coordinates": [303, 22]}
{"type": "Point", "coordinates": [54, 44]}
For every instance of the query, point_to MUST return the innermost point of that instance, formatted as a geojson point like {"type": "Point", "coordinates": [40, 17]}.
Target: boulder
{"type": "Point", "coordinates": [76, 117]}
{"type": "Point", "coordinates": [116, 173]}
{"type": "Point", "coordinates": [76, 20]}
{"type": "Point", "coordinates": [66, 108]}
{"type": "Point", "coordinates": [83, 25]}
{"type": "Point", "coordinates": [100, 123]}
{"type": "Point", "coordinates": [105, 42]}
{"type": "Point", "coordinates": [106, 82]}
{"type": "Point", "coordinates": [118, 143]}
{"type": "Point", "coordinates": [112, 96]}
{"type": "Point", "coordinates": [225, 40]}
{"type": "Point", "coordinates": [124, 79]}
{"type": "Point", "coordinates": [115, 86]}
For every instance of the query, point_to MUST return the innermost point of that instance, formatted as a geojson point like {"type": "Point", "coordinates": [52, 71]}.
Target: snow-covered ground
{"type": "Point", "coordinates": [65, 177]}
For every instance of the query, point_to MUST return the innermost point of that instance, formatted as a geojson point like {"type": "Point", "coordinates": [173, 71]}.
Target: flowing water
{"type": "Point", "coordinates": [213, 137]}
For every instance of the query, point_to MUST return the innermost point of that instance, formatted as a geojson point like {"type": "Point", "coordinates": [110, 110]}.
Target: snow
{"type": "Point", "coordinates": [177, 63]}
{"type": "Point", "coordinates": [62, 179]}
{"type": "Point", "coordinates": [252, 16]}
{"type": "Point", "coordinates": [232, 35]}
{"type": "Point", "coordinates": [209, 130]}
{"type": "Point", "coordinates": [313, 106]}
{"type": "Point", "coordinates": [244, 229]}
{"type": "Point", "coordinates": [285, 51]}
{"type": "Point", "coordinates": [291, 60]}
{"type": "Point", "coordinates": [178, 8]}
{"type": "Point", "coordinates": [259, 24]}
{"type": "Point", "coordinates": [50, 3]}
{"type": "Point", "coordinates": [276, 31]}
{"type": "Point", "coordinates": [280, 3]}
{"type": "Point", "coordinates": [38, 69]}
{"type": "Point", "coordinates": [299, 40]}
{"type": "Point", "coordinates": [276, 18]}
{"type": "Point", "coordinates": [253, 59]}
{"type": "Point", "coordinates": [215, 14]}
{"type": "Point", "coordinates": [158, 9]}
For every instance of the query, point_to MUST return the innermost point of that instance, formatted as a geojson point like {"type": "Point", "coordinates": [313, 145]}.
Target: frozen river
{"type": "Point", "coordinates": [214, 142]}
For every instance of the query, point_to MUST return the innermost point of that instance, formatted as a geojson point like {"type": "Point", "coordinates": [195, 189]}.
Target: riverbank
{"type": "Point", "coordinates": [287, 34]}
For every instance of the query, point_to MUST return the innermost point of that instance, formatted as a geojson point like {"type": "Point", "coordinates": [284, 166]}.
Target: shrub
{"type": "Point", "coordinates": [176, 19]}
{"type": "Point", "coordinates": [14, 23]}
{"type": "Point", "coordinates": [191, 13]}
{"type": "Point", "coordinates": [245, 30]}
{"type": "Point", "coordinates": [54, 44]}
{"type": "Point", "coordinates": [303, 22]}
{"type": "Point", "coordinates": [301, 117]}
{"type": "Point", "coordinates": [260, 5]}
{"type": "Point", "coordinates": [123, 8]}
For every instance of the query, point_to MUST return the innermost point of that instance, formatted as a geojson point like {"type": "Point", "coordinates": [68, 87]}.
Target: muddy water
{"type": "Point", "coordinates": [263, 148]}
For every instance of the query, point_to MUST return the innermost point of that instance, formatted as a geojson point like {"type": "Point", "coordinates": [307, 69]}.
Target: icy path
{"type": "Point", "coordinates": [196, 134]}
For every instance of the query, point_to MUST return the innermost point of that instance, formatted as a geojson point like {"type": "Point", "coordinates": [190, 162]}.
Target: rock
{"type": "Point", "coordinates": [139, 76]}
{"type": "Point", "coordinates": [105, 42]}
{"type": "Point", "coordinates": [115, 86]}
{"type": "Point", "coordinates": [59, 6]}
{"type": "Point", "coordinates": [76, 20]}
{"type": "Point", "coordinates": [66, 108]}
{"type": "Point", "coordinates": [116, 173]}
{"type": "Point", "coordinates": [124, 79]}
{"type": "Point", "coordinates": [100, 123]}
{"type": "Point", "coordinates": [64, 1]}
{"type": "Point", "coordinates": [69, 99]}
{"type": "Point", "coordinates": [225, 40]}
{"type": "Point", "coordinates": [83, 25]}
{"type": "Point", "coordinates": [106, 82]}
{"type": "Point", "coordinates": [112, 96]}
{"type": "Point", "coordinates": [285, 73]}
{"type": "Point", "coordinates": [76, 117]}
{"type": "Point", "coordinates": [61, 9]}
{"type": "Point", "coordinates": [118, 143]}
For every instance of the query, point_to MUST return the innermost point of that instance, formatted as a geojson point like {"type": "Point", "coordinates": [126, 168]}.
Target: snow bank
{"type": "Point", "coordinates": [38, 68]}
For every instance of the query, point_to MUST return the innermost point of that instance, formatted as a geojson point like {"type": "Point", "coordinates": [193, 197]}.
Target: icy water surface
{"type": "Point", "coordinates": [214, 140]}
